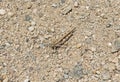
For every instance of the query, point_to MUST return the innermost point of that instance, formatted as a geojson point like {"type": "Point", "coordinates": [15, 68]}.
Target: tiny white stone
{"type": "Point", "coordinates": [4, 64]}
{"type": "Point", "coordinates": [52, 29]}
{"type": "Point", "coordinates": [109, 44]}
{"type": "Point", "coordinates": [98, 72]}
{"type": "Point", "coordinates": [10, 14]}
{"type": "Point", "coordinates": [33, 23]}
{"type": "Point", "coordinates": [93, 48]}
{"type": "Point", "coordinates": [2, 11]}
{"type": "Point", "coordinates": [115, 60]}
{"type": "Point", "coordinates": [35, 11]}
{"type": "Point", "coordinates": [31, 28]}
{"type": "Point", "coordinates": [47, 36]}
{"type": "Point", "coordinates": [87, 7]}
{"type": "Point", "coordinates": [54, 5]}
{"type": "Point", "coordinates": [26, 80]}
{"type": "Point", "coordinates": [5, 80]}
{"type": "Point", "coordinates": [86, 37]}
{"type": "Point", "coordinates": [78, 45]}
{"type": "Point", "coordinates": [7, 44]}
{"type": "Point", "coordinates": [76, 4]}
{"type": "Point", "coordinates": [119, 56]}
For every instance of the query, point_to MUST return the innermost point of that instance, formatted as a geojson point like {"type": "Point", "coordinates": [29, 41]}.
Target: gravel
{"type": "Point", "coordinates": [2, 11]}
{"type": "Point", "coordinates": [28, 27]}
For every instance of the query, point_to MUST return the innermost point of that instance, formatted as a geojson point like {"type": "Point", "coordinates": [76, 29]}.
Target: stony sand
{"type": "Point", "coordinates": [28, 28]}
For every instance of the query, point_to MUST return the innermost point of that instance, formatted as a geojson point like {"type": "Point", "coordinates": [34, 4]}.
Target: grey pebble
{"type": "Point", "coordinates": [117, 27]}
{"type": "Point", "coordinates": [89, 40]}
{"type": "Point", "coordinates": [84, 16]}
{"type": "Point", "coordinates": [78, 71]}
{"type": "Point", "coordinates": [106, 75]}
{"type": "Point", "coordinates": [40, 14]}
{"type": "Point", "coordinates": [116, 45]}
{"type": "Point", "coordinates": [2, 46]}
{"type": "Point", "coordinates": [1, 79]}
{"type": "Point", "coordinates": [62, 1]}
{"type": "Point", "coordinates": [66, 76]}
{"type": "Point", "coordinates": [28, 18]}
{"type": "Point", "coordinates": [42, 45]}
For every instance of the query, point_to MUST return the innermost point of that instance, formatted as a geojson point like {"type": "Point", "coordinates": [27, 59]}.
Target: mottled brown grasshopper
{"type": "Point", "coordinates": [59, 42]}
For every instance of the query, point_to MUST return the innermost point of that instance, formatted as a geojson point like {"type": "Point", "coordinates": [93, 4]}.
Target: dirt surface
{"type": "Point", "coordinates": [28, 28]}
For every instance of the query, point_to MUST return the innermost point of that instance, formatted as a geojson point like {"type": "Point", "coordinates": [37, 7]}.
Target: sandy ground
{"type": "Point", "coordinates": [29, 27]}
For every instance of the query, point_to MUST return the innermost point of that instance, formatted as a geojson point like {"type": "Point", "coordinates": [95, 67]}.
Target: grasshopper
{"type": "Point", "coordinates": [59, 42]}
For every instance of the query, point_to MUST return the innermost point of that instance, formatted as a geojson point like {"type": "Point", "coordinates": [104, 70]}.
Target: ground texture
{"type": "Point", "coordinates": [29, 27]}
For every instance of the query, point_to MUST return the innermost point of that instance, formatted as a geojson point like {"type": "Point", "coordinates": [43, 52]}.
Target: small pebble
{"type": "Point", "coordinates": [66, 76]}
{"type": "Point", "coordinates": [35, 11]}
{"type": "Point", "coordinates": [108, 25]}
{"type": "Point", "coordinates": [31, 28]}
{"type": "Point", "coordinates": [117, 27]}
{"type": "Point", "coordinates": [40, 14]}
{"type": "Point", "coordinates": [28, 5]}
{"type": "Point", "coordinates": [33, 23]}
{"type": "Point", "coordinates": [97, 72]}
{"type": "Point", "coordinates": [54, 5]}
{"type": "Point", "coordinates": [10, 14]}
{"type": "Point", "coordinates": [116, 45]}
{"type": "Point", "coordinates": [76, 4]}
{"type": "Point", "coordinates": [42, 45]}
{"type": "Point", "coordinates": [52, 30]}
{"type": "Point", "coordinates": [87, 7]}
{"type": "Point", "coordinates": [118, 67]}
{"type": "Point", "coordinates": [27, 80]}
{"type": "Point", "coordinates": [119, 56]}
{"type": "Point", "coordinates": [115, 60]}
{"type": "Point", "coordinates": [67, 10]}
{"type": "Point", "coordinates": [93, 49]}
{"type": "Point", "coordinates": [28, 18]}
{"type": "Point", "coordinates": [33, 0]}
{"type": "Point", "coordinates": [47, 36]}
{"type": "Point", "coordinates": [78, 45]}
{"type": "Point", "coordinates": [78, 71]}
{"type": "Point", "coordinates": [7, 44]}
{"type": "Point", "coordinates": [109, 44]}
{"type": "Point", "coordinates": [2, 46]}
{"type": "Point", "coordinates": [62, 1]}
{"type": "Point", "coordinates": [5, 80]}
{"type": "Point", "coordinates": [2, 11]}
{"type": "Point", "coordinates": [106, 75]}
